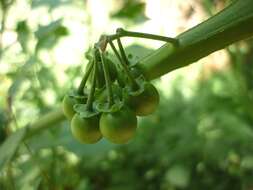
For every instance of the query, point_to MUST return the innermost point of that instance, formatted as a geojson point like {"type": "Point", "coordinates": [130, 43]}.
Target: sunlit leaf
{"type": "Point", "coordinates": [132, 10]}
{"type": "Point", "coordinates": [23, 73]}
{"type": "Point", "coordinates": [23, 34]}
{"type": "Point", "coordinates": [49, 3]}
{"type": "Point", "coordinates": [48, 35]}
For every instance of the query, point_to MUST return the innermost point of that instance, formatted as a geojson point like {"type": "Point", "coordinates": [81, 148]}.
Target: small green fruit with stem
{"type": "Point", "coordinates": [141, 96]}
{"type": "Point", "coordinates": [86, 129]}
{"type": "Point", "coordinates": [127, 97]}
{"type": "Point", "coordinates": [100, 74]}
{"type": "Point", "coordinates": [143, 101]}
{"type": "Point", "coordinates": [67, 106]}
{"type": "Point", "coordinates": [117, 123]}
{"type": "Point", "coordinates": [119, 126]}
{"type": "Point", "coordinates": [85, 123]}
{"type": "Point", "coordinates": [76, 97]}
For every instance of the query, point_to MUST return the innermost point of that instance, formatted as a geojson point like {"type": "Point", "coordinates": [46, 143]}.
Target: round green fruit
{"type": "Point", "coordinates": [146, 102]}
{"type": "Point", "coordinates": [118, 127]}
{"type": "Point", "coordinates": [86, 130]}
{"type": "Point", "coordinates": [67, 106]}
{"type": "Point", "coordinates": [69, 100]}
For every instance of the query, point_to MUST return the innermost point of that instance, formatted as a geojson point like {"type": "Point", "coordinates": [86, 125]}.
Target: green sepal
{"type": "Point", "coordinates": [82, 110]}
{"type": "Point", "coordinates": [101, 94]}
{"type": "Point", "coordinates": [106, 108]}
{"type": "Point", "coordinates": [141, 83]}
{"type": "Point", "coordinates": [136, 72]}
{"type": "Point", "coordinates": [78, 97]}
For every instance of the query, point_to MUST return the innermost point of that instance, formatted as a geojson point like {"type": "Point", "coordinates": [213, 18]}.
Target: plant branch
{"type": "Point", "coordinates": [44, 122]}
{"type": "Point", "coordinates": [230, 25]}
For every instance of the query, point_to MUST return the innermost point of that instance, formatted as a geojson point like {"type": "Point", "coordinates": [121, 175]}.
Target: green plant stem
{"type": "Point", "coordinates": [93, 87]}
{"type": "Point", "coordinates": [85, 77]}
{"type": "Point", "coordinates": [46, 121]}
{"type": "Point", "coordinates": [124, 64]}
{"type": "Point", "coordinates": [107, 78]}
{"type": "Point", "coordinates": [120, 82]}
{"type": "Point", "coordinates": [115, 50]}
{"type": "Point", "coordinates": [232, 24]}
{"type": "Point", "coordinates": [124, 33]}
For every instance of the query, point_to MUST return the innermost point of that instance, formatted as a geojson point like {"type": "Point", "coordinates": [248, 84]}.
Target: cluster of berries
{"type": "Point", "coordinates": [117, 94]}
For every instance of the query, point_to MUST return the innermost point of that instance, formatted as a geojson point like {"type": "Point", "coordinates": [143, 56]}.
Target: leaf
{"type": "Point", "coordinates": [78, 97]}
{"type": "Point", "coordinates": [20, 76]}
{"type": "Point", "coordinates": [23, 34]}
{"type": "Point", "coordinates": [45, 30]}
{"type": "Point", "coordinates": [137, 52]}
{"type": "Point", "coordinates": [48, 35]}
{"type": "Point", "coordinates": [131, 10]}
{"type": "Point", "coordinates": [10, 146]}
{"type": "Point", "coordinates": [105, 107]}
{"type": "Point", "coordinates": [51, 4]}
{"type": "Point", "coordinates": [84, 112]}
{"type": "Point", "coordinates": [134, 52]}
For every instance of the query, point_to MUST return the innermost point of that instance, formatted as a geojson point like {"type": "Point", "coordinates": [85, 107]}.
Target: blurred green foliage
{"type": "Point", "coordinates": [131, 11]}
{"type": "Point", "coordinates": [200, 141]}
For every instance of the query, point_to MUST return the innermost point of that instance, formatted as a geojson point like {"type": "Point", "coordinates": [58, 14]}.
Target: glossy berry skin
{"type": "Point", "coordinates": [118, 127]}
{"type": "Point", "coordinates": [146, 102]}
{"type": "Point", "coordinates": [67, 106]}
{"type": "Point", "coordinates": [86, 130]}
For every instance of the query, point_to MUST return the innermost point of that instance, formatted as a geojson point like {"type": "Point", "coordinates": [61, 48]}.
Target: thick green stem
{"type": "Point", "coordinates": [232, 24]}
{"type": "Point", "coordinates": [47, 121]}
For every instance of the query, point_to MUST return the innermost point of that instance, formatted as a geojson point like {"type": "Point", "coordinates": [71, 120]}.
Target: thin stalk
{"type": "Point", "coordinates": [115, 50]}
{"type": "Point", "coordinates": [93, 87]}
{"type": "Point", "coordinates": [121, 83]}
{"type": "Point", "coordinates": [124, 33]}
{"type": "Point", "coordinates": [99, 78]}
{"type": "Point", "coordinates": [124, 64]}
{"type": "Point", "coordinates": [107, 78]}
{"type": "Point", "coordinates": [85, 78]}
